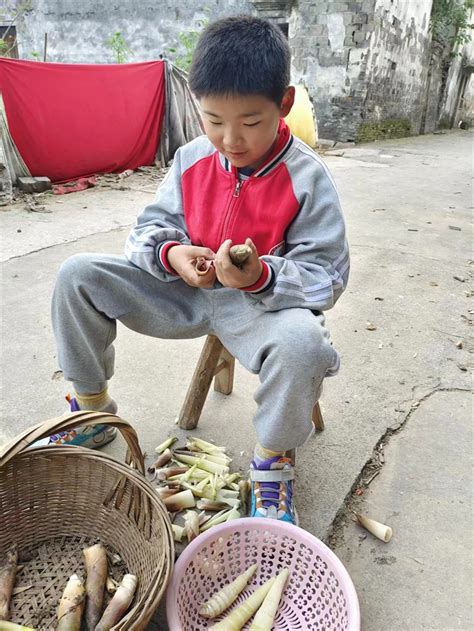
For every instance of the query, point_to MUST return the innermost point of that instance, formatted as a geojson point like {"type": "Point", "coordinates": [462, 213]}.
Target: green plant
{"type": "Point", "coordinates": [450, 21]}
{"type": "Point", "coordinates": [119, 47]}
{"type": "Point", "coordinates": [188, 40]}
{"type": "Point", "coordinates": [4, 47]}
{"type": "Point", "coordinates": [36, 56]}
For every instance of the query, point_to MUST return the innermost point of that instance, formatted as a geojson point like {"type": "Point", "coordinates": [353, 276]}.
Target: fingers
{"type": "Point", "coordinates": [197, 251]}
{"type": "Point", "coordinates": [223, 260]}
{"type": "Point", "coordinates": [251, 244]}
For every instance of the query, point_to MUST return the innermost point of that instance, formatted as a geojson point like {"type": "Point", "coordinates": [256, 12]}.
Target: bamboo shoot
{"type": "Point", "coordinates": [239, 254]}
{"type": "Point", "coordinates": [72, 603]}
{"type": "Point", "coordinates": [265, 616]}
{"type": "Point", "coordinates": [96, 567]}
{"type": "Point", "coordinates": [119, 603]}
{"type": "Point", "coordinates": [224, 598]}
{"type": "Point", "coordinates": [238, 617]}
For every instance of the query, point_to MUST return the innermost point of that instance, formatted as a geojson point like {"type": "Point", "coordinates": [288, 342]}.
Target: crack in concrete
{"type": "Point", "coordinates": [55, 245]}
{"type": "Point", "coordinates": [372, 468]}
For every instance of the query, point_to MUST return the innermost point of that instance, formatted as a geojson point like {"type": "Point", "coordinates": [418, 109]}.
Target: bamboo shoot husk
{"type": "Point", "coordinates": [191, 525]}
{"type": "Point", "coordinates": [180, 501]}
{"type": "Point", "coordinates": [381, 531]}
{"type": "Point", "coordinates": [119, 603]}
{"type": "Point", "coordinates": [8, 569]}
{"type": "Point", "coordinates": [72, 603]}
{"type": "Point", "coordinates": [96, 567]}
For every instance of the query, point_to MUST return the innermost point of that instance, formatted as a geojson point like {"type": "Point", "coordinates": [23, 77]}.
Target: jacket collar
{"type": "Point", "coordinates": [282, 146]}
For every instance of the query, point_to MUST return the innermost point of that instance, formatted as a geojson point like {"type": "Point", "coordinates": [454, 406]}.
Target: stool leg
{"type": "Point", "coordinates": [317, 417]}
{"type": "Point", "coordinates": [200, 383]}
{"type": "Point", "coordinates": [224, 380]}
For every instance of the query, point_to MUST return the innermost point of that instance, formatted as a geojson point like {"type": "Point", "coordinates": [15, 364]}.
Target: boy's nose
{"type": "Point", "coordinates": [231, 140]}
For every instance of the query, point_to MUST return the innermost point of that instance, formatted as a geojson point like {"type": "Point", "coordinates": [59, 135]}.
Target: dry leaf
{"type": "Point", "coordinates": [370, 327]}
{"type": "Point", "coordinates": [20, 590]}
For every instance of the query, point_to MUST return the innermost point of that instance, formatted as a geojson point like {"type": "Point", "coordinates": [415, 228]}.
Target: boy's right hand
{"type": "Point", "coordinates": [182, 259]}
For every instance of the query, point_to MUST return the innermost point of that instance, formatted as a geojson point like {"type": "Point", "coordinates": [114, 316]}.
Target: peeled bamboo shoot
{"type": "Point", "coordinates": [96, 567]}
{"type": "Point", "coordinates": [72, 603]}
{"type": "Point", "coordinates": [238, 617]}
{"type": "Point", "coordinates": [226, 596]}
{"type": "Point", "coordinates": [119, 603]}
{"type": "Point", "coordinates": [11, 626]}
{"type": "Point", "coordinates": [8, 569]}
{"type": "Point", "coordinates": [265, 616]}
{"type": "Point", "coordinates": [381, 531]}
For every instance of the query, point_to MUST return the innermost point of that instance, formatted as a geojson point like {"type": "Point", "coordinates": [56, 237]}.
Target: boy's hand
{"type": "Point", "coordinates": [230, 275]}
{"type": "Point", "coordinates": [182, 259]}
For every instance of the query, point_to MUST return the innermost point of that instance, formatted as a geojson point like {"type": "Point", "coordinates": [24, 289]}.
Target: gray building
{"type": "Point", "coordinates": [371, 67]}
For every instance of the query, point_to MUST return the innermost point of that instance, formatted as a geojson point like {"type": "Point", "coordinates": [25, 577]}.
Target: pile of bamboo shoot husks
{"type": "Point", "coordinates": [198, 477]}
{"type": "Point", "coordinates": [78, 599]}
{"type": "Point", "coordinates": [263, 602]}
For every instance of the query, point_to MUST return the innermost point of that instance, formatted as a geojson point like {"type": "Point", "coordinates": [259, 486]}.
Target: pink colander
{"type": "Point", "coordinates": [319, 593]}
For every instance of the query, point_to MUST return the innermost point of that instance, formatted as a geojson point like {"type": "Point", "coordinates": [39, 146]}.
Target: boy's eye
{"type": "Point", "coordinates": [214, 123]}
{"type": "Point", "coordinates": [252, 124]}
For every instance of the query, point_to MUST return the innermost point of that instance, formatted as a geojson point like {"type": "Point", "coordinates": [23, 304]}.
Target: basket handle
{"type": "Point", "coordinates": [21, 442]}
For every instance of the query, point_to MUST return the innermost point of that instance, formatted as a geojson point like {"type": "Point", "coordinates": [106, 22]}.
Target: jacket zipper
{"type": "Point", "coordinates": [238, 186]}
{"type": "Point", "coordinates": [233, 202]}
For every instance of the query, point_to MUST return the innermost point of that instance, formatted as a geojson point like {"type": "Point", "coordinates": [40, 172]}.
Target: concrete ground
{"type": "Point", "coordinates": [399, 410]}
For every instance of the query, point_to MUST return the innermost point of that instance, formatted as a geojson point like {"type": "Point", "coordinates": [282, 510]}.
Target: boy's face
{"type": "Point", "coordinates": [244, 128]}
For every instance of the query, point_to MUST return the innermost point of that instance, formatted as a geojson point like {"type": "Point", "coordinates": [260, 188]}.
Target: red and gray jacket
{"type": "Point", "coordinates": [289, 207]}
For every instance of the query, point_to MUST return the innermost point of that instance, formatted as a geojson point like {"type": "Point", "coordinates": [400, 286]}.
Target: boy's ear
{"type": "Point", "coordinates": [287, 101]}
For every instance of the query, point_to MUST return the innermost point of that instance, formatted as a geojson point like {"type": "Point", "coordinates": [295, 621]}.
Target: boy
{"type": "Point", "coordinates": [246, 181]}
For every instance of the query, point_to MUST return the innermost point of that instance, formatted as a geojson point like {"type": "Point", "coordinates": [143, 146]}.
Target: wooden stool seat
{"type": "Point", "coordinates": [216, 362]}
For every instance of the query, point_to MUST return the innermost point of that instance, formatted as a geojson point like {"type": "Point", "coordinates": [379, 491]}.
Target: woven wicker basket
{"type": "Point", "coordinates": [56, 500]}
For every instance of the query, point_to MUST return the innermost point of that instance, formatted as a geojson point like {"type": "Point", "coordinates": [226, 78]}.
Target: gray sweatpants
{"type": "Point", "coordinates": [290, 349]}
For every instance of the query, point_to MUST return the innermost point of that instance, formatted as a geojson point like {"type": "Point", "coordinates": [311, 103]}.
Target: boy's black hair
{"type": "Point", "coordinates": [241, 55]}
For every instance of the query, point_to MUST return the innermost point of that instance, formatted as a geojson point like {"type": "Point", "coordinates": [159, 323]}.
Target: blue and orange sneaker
{"type": "Point", "coordinates": [91, 437]}
{"type": "Point", "coordinates": [271, 490]}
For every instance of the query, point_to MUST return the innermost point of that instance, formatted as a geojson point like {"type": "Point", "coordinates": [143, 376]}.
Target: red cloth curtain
{"type": "Point", "coordinates": [74, 120]}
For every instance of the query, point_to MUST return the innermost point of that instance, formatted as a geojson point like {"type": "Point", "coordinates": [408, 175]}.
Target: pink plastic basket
{"type": "Point", "coordinates": [319, 594]}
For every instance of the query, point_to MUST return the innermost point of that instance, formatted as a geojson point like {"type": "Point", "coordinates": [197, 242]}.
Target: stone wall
{"type": "Point", "coordinates": [363, 61]}
{"type": "Point", "coordinates": [78, 29]}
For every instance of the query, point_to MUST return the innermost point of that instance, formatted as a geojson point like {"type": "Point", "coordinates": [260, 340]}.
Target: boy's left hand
{"type": "Point", "coordinates": [229, 274]}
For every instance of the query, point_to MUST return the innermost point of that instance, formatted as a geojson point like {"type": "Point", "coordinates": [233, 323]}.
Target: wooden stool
{"type": "Point", "coordinates": [216, 361]}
